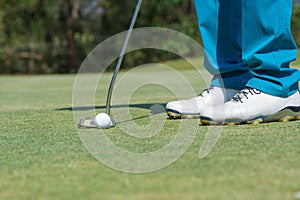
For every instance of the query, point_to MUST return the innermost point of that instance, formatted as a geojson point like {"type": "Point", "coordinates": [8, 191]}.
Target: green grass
{"type": "Point", "coordinates": [42, 156]}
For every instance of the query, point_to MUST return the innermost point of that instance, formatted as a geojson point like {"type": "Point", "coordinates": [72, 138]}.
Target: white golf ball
{"type": "Point", "coordinates": [103, 120]}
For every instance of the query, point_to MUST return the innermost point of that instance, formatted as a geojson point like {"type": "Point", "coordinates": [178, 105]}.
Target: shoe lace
{"type": "Point", "coordinates": [244, 94]}
{"type": "Point", "coordinates": [207, 91]}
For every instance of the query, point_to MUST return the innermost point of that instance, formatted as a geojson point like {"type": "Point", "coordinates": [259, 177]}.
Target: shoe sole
{"type": "Point", "coordinates": [285, 115]}
{"type": "Point", "coordinates": [176, 115]}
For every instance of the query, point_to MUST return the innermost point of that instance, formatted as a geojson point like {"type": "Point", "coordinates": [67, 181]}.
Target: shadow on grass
{"type": "Point", "coordinates": [148, 106]}
{"type": "Point", "coordinates": [155, 108]}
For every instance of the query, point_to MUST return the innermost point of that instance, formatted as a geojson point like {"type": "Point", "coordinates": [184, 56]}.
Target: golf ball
{"type": "Point", "coordinates": [103, 120]}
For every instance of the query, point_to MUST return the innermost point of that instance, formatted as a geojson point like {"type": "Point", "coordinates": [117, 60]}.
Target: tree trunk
{"type": "Point", "coordinates": [189, 6]}
{"type": "Point", "coordinates": [71, 49]}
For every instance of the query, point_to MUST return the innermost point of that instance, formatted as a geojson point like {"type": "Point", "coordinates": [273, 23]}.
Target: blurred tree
{"type": "Point", "coordinates": [178, 15]}
{"type": "Point", "coordinates": [40, 36]}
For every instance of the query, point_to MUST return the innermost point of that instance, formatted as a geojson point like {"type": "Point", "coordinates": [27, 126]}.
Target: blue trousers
{"type": "Point", "coordinates": [249, 44]}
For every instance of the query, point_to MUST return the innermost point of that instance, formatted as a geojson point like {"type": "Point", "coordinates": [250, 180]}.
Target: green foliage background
{"type": "Point", "coordinates": [55, 36]}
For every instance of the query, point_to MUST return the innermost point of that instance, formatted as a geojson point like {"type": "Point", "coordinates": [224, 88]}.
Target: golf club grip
{"type": "Point", "coordinates": [117, 68]}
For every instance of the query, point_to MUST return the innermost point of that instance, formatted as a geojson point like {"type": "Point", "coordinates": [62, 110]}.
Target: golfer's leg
{"type": "Point", "coordinates": [268, 46]}
{"type": "Point", "coordinates": [212, 27]}
{"type": "Point", "coordinates": [220, 28]}
{"type": "Point", "coordinates": [208, 17]}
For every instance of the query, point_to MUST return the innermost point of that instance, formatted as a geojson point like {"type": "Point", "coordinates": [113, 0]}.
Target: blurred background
{"type": "Point", "coordinates": [54, 36]}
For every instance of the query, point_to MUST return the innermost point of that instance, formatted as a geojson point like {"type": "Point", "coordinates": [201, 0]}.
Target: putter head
{"type": "Point", "coordinates": [89, 122]}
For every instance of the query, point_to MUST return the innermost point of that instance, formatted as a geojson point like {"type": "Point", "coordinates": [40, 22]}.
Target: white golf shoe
{"type": "Point", "coordinates": [189, 109]}
{"type": "Point", "coordinates": [253, 106]}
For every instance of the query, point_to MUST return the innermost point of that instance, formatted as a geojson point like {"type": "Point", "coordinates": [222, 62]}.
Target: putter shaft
{"type": "Point", "coordinates": [120, 60]}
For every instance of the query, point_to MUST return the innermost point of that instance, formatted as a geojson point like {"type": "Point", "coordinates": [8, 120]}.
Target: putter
{"type": "Point", "coordinates": [89, 122]}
